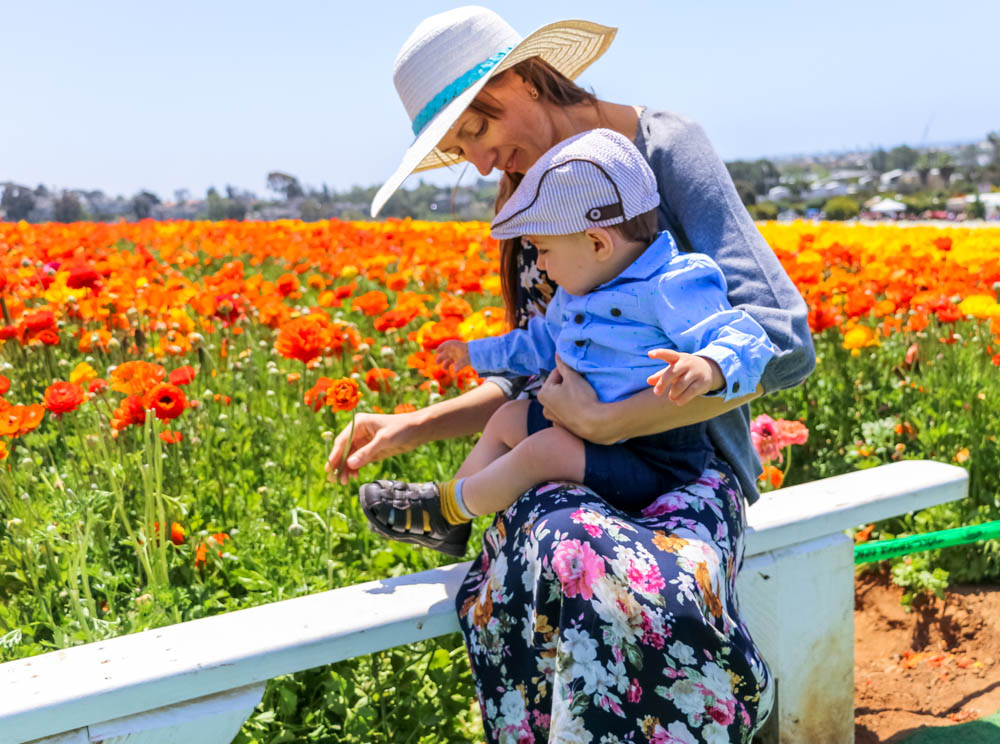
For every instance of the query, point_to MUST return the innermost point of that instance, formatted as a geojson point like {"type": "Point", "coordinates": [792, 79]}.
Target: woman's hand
{"type": "Point", "coordinates": [686, 377]}
{"type": "Point", "coordinates": [453, 353]}
{"type": "Point", "coordinates": [376, 436]}
{"type": "Point", "coordinates": [570, 401]}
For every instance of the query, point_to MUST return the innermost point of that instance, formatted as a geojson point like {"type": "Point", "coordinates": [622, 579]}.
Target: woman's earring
{"type": "Point", "coordinates": [533, 93]}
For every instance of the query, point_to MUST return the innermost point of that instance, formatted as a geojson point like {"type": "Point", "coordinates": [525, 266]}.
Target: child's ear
{"type": "Point", "coordinates": [602, 242]}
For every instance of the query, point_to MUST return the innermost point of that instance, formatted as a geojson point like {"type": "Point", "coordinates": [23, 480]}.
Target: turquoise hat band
{"type": "Point", "coordinates": [453, 89]}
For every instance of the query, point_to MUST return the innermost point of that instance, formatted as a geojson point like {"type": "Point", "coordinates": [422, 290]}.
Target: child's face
{"type": "Point", "coordinates": [574, 262]}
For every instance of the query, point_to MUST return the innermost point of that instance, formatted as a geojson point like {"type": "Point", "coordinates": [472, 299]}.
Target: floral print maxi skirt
{"type": "Point", "coordinates": [585, 623]}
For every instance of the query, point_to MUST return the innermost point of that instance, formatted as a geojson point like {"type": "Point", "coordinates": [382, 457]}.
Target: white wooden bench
{"type": "Point", "coordinates": [198, 681]}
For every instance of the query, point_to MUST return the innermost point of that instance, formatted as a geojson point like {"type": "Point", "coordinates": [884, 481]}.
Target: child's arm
{"type": "Point", "coordinates": [694, 312]}
{"type": "Point", "coordinates": [524, 351]}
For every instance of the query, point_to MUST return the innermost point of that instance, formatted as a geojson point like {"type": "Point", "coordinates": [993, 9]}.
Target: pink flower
{"type": "Point", "coordinates": [770, 437]}
{"type": "Point", "coordinates": [764, 435]}
{"type": "Point", "coordinates": [648, 581]}
{"type": "Point", "coordinates": [634, 691]}
{"type": "Point", "coordinates": [911, 355]}
{"type": "Point", "coordinates": [723, 711]}
{"type": "Point", "coordinates": [668, 502]}
{"type": "Point", "coordinates": [578, 567]}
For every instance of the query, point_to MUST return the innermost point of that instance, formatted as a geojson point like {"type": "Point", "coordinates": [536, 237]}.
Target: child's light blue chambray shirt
{"type": "Point", "coordinates": [664, 299]}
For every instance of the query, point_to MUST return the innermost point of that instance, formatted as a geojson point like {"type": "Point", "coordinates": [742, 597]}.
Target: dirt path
{"type": "Point", "coordinates": [934, 666]}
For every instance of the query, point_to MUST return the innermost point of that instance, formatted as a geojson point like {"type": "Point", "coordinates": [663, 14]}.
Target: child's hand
{"type": "Point", "coordinates": [453, 353]}
{"type": "Point", "coordinates": [687, 377]}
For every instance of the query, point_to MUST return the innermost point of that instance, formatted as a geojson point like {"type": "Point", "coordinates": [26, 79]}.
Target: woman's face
{"type": "Point", "coordinates": [512, 142]}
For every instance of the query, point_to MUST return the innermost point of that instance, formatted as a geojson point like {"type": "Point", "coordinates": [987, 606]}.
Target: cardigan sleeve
{"type": "Point", "coordinates": [698, 201]}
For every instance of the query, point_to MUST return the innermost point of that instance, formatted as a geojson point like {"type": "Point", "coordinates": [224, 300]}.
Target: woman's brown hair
{"type": "Point", "coordinates": [555, 88]}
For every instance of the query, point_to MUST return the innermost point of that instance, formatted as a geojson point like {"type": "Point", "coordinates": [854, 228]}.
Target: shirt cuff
{"type": "Point", "coordinates": [738, 383]}
{"type": "Point", "coordinates": [483, 355]}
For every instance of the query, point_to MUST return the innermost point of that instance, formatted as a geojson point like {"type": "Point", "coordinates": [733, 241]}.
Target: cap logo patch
{"type": "Point", "coordinates": [608, 212]}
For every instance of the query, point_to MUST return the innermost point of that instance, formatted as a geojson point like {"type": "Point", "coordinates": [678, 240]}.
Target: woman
{"type": "Point", "coordinates": [585, 623]}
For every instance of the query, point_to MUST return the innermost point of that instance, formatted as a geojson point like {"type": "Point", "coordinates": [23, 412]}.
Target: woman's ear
{"type": "Point", "coordinates": [602, 242]}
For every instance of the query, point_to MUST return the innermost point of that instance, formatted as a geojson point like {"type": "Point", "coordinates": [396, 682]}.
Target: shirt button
{"type": "Point", "coordinates": [736, 387]}
{"type": "Point", "coordinates": [616, 312]}
{"type": "Point", "coordinates": [579, 318]}
{"type": "Point", "coordinates": [580, 342]}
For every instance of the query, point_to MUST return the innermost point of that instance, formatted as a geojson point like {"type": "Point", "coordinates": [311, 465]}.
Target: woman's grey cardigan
{"type": "Point", "coordinates": [699, 204]}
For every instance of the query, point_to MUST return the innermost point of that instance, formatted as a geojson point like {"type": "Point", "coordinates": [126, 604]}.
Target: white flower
{"type": "Point", "coordinates": [579, 645]}
{"type": "Point", "coordinates": [566, 728]}
{"type": "Point", "coordinates": [683, 653]}
{"type": "Point", "coordinates": [680, 734]}
{"type": "Point", "coordinates": [714, 733]}
{"type": "Point", "coordinates": [717, 680]}
{"type": "Point", "coordinates": [512, 707]}
{"type": "Point", "coordinates": [491, 710]}
{"type": "Point", "coordinates": [689, 699]}
{"type": "Point", "coordinates": [617, 606]}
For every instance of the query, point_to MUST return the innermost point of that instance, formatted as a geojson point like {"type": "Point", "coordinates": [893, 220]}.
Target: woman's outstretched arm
{"type": "Point", "coordinates": [571, 402]}
{"type": "Point", "coordinates": [377, 436]}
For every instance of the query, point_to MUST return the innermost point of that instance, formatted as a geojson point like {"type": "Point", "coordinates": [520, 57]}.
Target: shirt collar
{"type": "Point", "coordinates": [651, 261]}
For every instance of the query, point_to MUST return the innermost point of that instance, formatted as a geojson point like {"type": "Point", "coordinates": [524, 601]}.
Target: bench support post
{"type": "Point", "coordinates": [799, 608]}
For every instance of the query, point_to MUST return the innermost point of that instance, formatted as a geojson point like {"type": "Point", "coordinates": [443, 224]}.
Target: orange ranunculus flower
{"type": "Point", "coordinates": [136, 378]}
{"type": "Point", "coordinates": [404, 408]}
{"type": "Point", "coordinates": [343, 394]}
{"type": "Point", "coordinates": [171, 437]}
{"type": "Point", "coordinates": [10, 421]}
{"type": "Point", "coordinates": [316, 395]}
{"type": "Point", "coordinates": [305, 338]}
{"type": "Point", "coordinates": [3, 450]}
{"type": "Point", "coordinates": [372, 303]}
{"type": "Point", "coordinates": [63, 397]}
{"type": "Point", "coordinates": [377, 379]}
{"type": "Point", "coordinates": [773, 476]}
{"type": "Point", "coordinates": [130, 411]}
{"type": "Point", "coordinates": [33, 415]}
{"type": "Point", "coordinates": [167, 401]}
{"type": "Point", "coordinates": [286, 284]}
{"type": "Point", "coordinates": [4, 385]}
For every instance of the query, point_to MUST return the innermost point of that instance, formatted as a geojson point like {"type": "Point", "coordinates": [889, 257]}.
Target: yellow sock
{"type": "Point", "coordinates": [449, 506]}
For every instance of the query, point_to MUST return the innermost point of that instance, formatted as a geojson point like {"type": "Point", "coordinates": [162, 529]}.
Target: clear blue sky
{"type": "Point", "coordinates": [162, 95]}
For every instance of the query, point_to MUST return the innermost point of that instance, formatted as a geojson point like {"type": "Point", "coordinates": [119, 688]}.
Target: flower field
{"type": "Point", "coordinates": [169, 393]}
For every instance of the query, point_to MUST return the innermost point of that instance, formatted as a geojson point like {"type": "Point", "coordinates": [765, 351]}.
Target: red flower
{"type": "Point", "coordinates": [97, 386]}
{"type": "Point", "coordinates": [167, 401]}
{"type": "Point", "coordinates": [316, 395]}
{"type": "Point", "coordinates": [171, 437]}
{"type": "Point", "coordinates": [4, 385]}
{"type": "Point", "coordinates": [377, 379]}
{"type": "Point", "coordinates": [63, 397]}
{"type": "Point", "coordinates": [176, 533]}
{"type": "Point", "coordinates": [48, 337]}
{"type": "Point", "coordinates": [130, 411]}
{"type": "Point", "coordinates": [181, 375]}
{"type": "Point", "coordinates": [82, 275]}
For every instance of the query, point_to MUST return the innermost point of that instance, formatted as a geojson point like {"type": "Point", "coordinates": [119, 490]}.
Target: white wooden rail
{"type": "Point", "coordinates": [196, 682]}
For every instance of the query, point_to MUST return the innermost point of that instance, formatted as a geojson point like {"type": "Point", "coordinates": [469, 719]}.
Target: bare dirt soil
{"type": "Point", "coordinates": [936, 665]}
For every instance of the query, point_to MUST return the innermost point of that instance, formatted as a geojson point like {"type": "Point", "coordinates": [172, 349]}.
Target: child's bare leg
{"type": "Point", "coordinates": [506, 427]}
{"type": "Point", "coordinates": [549, 454]}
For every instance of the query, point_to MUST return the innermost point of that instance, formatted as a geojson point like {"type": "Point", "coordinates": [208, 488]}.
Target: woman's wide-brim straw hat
{"type": "Point", "coordinates": [450, 57]}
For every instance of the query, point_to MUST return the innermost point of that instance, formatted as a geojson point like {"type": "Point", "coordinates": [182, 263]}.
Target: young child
{"type": "Point", "coordinates": [623, 308]}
